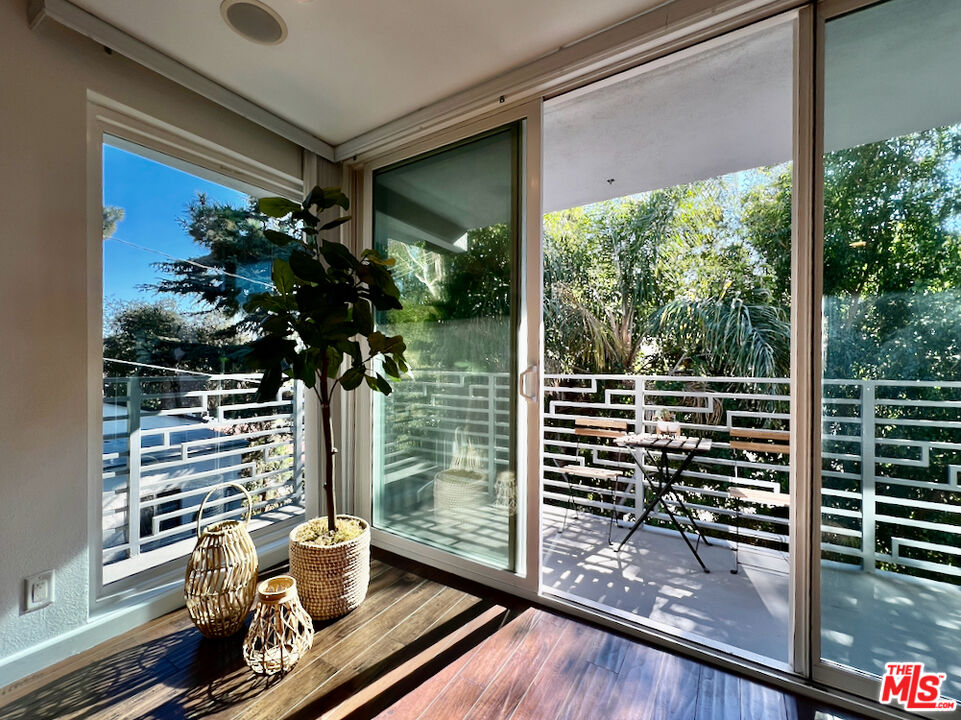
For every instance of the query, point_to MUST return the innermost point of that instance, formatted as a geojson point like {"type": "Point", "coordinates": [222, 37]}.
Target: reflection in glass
{"type": "Point", "coordinates": [891, 540]}
{"type": "Point", "coordinates": [443, 467]}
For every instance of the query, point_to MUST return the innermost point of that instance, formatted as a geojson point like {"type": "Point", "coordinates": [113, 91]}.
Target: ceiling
{"type": "Point", "coordinates": [348, 67]}
{"type": "Point", "coordinates": [719, 108]}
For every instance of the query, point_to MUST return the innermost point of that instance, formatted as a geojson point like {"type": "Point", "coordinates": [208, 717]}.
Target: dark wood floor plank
{"type": "Point", "coordinates": [413, 635]}
{"type": "Point", "coordinates": [314, 679]}
{"type": "Point", "coordinates": [609, 651]}
{"type": "Point", "coordinates": [364, 702]}
{"type": "Point", "coordinates": [677, 682]}
{"type": "Point", "coordinates": [718, 696]}
{"type": "Point", "coordinates": [761, 701]}
{"type": "Point", "coordinates": [637, 683]}
{"type": "Point", "coordinates": [416, 701]}
{"type": "Point", "coordinates": [362, 662]}
{"type": "Point", "coordinates": [592, 690]}
{"type": "Point", "coordinates": [552, 685]}
{"type": "Point", "coordinates": [388, 589]}
{"type": "Point", "coordinates": [466, 687]}
{"type": "Point", "coordinates": [509, 685]}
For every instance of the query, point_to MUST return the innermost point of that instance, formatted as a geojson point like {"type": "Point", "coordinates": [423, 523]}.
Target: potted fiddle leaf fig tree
{"type": "Point", "coordinates": [317, 326]}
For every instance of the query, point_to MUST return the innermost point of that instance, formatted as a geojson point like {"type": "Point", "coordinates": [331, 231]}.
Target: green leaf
{"type": "Point", "coordinates": [376, 341]}
{"type": "Point", "coordinates": [270, 384]}
{"type": "Point", "coordinates": [352, 379]}
{"type": "Point", "coordinates": [378, 383]}
{"type": "Point", "coordinates": [268, 302]}
{"type": "Point", "coordinates": [334, 196]}
{"type": "Point", "coordinates": [334, 357]}
{"type": "Point", "coordinates": [282, 276]}
{"type": "Point", "coordinates": [390, 367]}
{"type": "Point", "coordinates": [307, 268]}
{"type": "Point", "coordinates": [304, 368]}
{"type": "Point", "coordinates": [375, 257]}
{"type": "Point", "coordinates": [383, 385]}
{"type": "Point", "coordinates": [335, 223]}
{"type": "Point", "coordinates": [279, 238]}
{"type": "Point", "coordinates": [326, 198]}
{"type": "Point", "coordinates": [276, 325]}
{"type": "Point", "coordinates": [276, 207]}
{"type": "Point", "coordinates": [363, 317]}
{"type": "Point", "coordinates": [339, 256]}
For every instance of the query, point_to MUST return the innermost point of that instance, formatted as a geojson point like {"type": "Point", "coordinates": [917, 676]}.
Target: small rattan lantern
{"type": "Point", "coordinates": [281, 631]}
{"type": "Point", "coordinates": [221, 573]}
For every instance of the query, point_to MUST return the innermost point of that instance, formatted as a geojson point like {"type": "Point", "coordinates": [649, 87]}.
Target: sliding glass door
{"type": "Point", "coordinates": [890, 570]}
{"type": "Point", "coordinates": [444, 463]}
{"type": "Point", "coordinates": [668, 192]}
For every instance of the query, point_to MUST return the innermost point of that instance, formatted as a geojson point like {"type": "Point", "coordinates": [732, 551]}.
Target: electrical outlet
{"type": "Point", "coordinates": [37, 591]}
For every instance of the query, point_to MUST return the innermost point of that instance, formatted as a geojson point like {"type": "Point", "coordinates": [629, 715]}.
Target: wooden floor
{"type": "Point", "coordinates": [417, 648]}
{"type": "Point", "coordinates": [545, 666]}
{"type": "Point", "coordinates": [166, 669]}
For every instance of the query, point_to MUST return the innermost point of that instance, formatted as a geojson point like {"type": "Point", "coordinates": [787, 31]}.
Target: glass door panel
{"type": "Point", "coordinates": [667, 308]}
{"type": "Point", "coordinates": [891, 445]}
{"type": "Point", "coordinates": [444, 461]}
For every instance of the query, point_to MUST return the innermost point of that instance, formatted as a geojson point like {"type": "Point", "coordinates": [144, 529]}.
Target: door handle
{"type": "Point", "coordinates": [528, 383]}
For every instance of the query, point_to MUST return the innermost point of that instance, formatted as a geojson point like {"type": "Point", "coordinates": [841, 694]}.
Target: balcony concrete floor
{"type": "Point", "coordinates": [868, 619]}
{"type": "Point", "coordinates": [656, 577]}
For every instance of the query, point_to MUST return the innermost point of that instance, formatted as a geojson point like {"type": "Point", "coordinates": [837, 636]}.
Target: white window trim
{"type": "Point", "coordinates": [160, 586]}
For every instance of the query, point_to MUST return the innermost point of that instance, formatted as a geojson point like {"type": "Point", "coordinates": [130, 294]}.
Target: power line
{"type": "Point", "coordinates": [189, 262]}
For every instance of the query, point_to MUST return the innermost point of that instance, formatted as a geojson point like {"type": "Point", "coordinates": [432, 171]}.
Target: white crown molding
{"type": "Point", "coordinates": [85, 23]}
{"type": "Point", "coordinates": [669, 27]}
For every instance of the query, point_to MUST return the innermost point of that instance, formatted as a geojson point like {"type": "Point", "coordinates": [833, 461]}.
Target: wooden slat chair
{"type": "Point", "coordinates": [762, 441]}
{"type": "Point", "coordinates": [590, 427]}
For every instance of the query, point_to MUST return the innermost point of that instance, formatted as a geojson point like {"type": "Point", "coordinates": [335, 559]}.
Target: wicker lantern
{"type": "Point", "coordinates": [281, 631]}
{"type": "Point", "coordinates": [221, 573]}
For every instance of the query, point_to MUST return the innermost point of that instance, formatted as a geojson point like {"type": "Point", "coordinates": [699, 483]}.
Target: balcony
{"type": "Point", "coordinates": [169, 439]}
{"type": "Point", "coordinates": [878, 545]}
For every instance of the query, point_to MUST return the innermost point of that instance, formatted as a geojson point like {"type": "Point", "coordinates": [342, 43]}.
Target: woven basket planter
{"type": "Point", "coordinates": [331, 579]}
{"type": "Point", "coordinates": [221, 573]}
{"type": "Point", "coordinates": [455, 490]}
{"type": "Point", "coordinates": [281, 630]}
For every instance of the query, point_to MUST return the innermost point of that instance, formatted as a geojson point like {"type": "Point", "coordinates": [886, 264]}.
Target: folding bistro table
{"type": "Point", "coordinates": [645, 446]}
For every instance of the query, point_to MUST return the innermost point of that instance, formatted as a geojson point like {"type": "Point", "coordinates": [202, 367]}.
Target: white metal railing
{"type": "Point", "coordinates": [890, 495]}
{"type": "Point", "coordinates": [170, 439]}
{"type": "Point", "coordinates": [890, 454]}
{"type": "Point", "coordinates": [704, 406]}
{"type": "Point", "coordinates": [420, 420]}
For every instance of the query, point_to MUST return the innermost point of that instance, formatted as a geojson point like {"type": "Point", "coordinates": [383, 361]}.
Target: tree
{"type": "Point", "coordinates": [112, 215]}
{"type": "Point", "coordinates": [321, 306]}
{"type": "Point", "coordinates": [237, 262]}
{"type": "Point", "coordinates": [653, 283]}
{"type": "Point", "coordinates": [156, 333]}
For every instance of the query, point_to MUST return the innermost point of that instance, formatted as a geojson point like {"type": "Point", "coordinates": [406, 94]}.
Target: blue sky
{"type": "Point", "coordinates": [153, 196]}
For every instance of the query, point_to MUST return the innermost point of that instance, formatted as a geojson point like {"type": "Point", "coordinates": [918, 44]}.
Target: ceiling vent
{"type": "Point", "coordinates": [254, 20]}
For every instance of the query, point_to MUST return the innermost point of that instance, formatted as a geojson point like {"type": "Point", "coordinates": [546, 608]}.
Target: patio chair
{"type": "Point", "coordinates": [593, 428]}
{"type": "Point", "coordinates": [763, 441]}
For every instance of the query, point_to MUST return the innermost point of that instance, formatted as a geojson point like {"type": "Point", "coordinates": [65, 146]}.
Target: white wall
{"type": "Point", "coordinates": [44, 79]}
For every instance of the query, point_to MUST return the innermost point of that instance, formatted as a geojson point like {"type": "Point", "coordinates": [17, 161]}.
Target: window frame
{"type": "Point", "coordinates": [187, 152]}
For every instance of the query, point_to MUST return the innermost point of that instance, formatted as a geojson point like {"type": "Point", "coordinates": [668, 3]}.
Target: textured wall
{"type": "Point", "coordinates": [43, 296]}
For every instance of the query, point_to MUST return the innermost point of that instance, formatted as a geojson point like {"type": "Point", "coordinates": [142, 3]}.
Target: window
{"type": "Point", "coordinates": [183, 249]}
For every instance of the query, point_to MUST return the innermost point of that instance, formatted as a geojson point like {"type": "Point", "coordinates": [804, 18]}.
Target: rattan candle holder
{"type": "Point", "coordinates": [281, 631]}
{"type": "Point", "coordinates": [221, 573]}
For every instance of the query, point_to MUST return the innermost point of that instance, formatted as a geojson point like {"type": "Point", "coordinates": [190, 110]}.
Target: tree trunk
{"type": "Point", "coordinates": [329, 450]}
